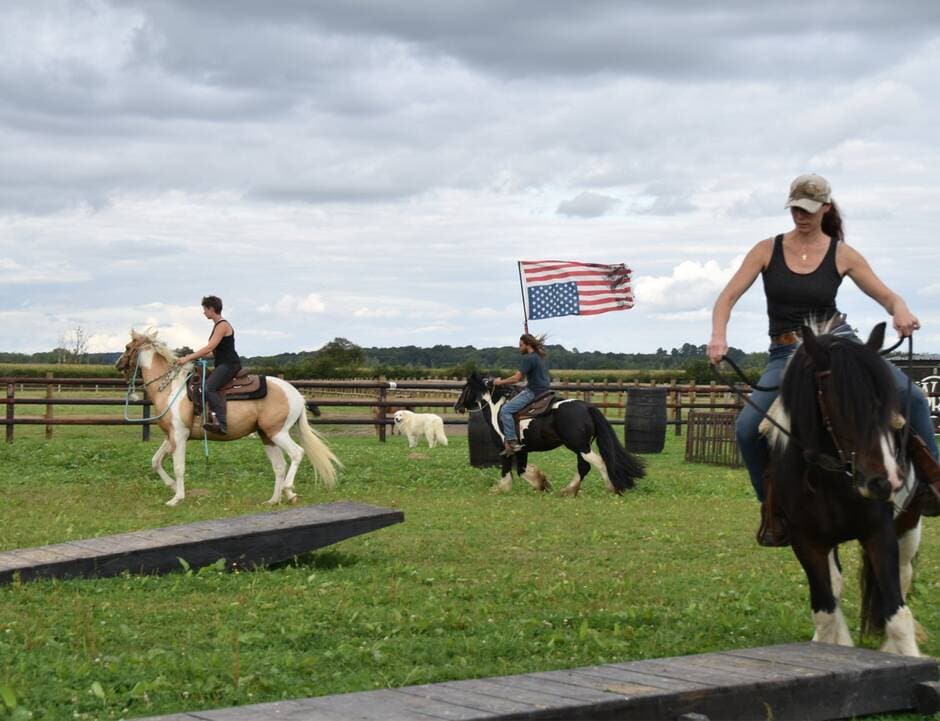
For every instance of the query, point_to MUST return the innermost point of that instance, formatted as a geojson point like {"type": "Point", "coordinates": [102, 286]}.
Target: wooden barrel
{"type": "Point", "coordinates": [485, 445]}
{"type": "Point", "coordinates": [645, 427]}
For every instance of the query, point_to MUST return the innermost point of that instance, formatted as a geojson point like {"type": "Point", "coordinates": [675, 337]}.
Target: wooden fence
{"type": "Point", "coordinates": [430, 395]}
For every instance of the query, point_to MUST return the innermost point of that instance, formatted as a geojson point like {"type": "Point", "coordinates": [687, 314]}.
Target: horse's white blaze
{"type": "Point", "coordinates": [907, 550]}
{"type": "Point", "coordinates": [831, 628]}
{"type": "Point", "coordinates": [891, 465]}
{"type": "Point", "coordinates": [899, 634]}
{"type": "Point", "coordinates": [595, 460]}
{"type": "Point", "coordinates": [835, 576]}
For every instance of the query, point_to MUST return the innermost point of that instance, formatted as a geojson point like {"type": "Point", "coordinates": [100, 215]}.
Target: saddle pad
{"type": "Point", "coordinates": [240, 388]}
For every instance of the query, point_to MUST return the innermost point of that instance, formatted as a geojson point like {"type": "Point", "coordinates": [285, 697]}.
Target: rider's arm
{"type": "Point", "coordinates": [218, 333]}
{"type": "Point", "coordinates": [854, 265]}
{"type": "Point", "coordinates": [754, 262]}
{"type": "Point", "coordinates": [514, 378]}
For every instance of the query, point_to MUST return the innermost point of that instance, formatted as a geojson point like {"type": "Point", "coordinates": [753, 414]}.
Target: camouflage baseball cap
{"type": "Point", "coordinates": [809, 192]}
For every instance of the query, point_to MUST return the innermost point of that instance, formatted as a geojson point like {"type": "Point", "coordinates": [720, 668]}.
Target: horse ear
{"type": "Point", "coordinates": [877, 337]}
{"type": "Point", "coordinates": [811, 344]}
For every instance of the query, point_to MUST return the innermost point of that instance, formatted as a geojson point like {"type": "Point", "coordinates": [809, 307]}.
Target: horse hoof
{"type": "Point", "coordinates": [173, 501]}
{"type": "Point", "coordinates": [293, 500]}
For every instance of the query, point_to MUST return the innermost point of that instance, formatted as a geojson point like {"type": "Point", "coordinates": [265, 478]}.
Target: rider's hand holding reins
{"type": "Point", "coordinates": [717, 348]}
{"type": "Point", "coordinates": [905, 322]}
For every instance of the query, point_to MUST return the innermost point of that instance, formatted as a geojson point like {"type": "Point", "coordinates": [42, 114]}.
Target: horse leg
{"type": "Point", "coordinates": [429, 435]}
{"type": "Point", "coordinates": [828, 620]}
{"type": "Point", "coordinates": [178, 446]}
{"type": "Point", "coordinates": [574, 487]}
{"type": "Point", "coordinates": [908, 544]}
{"type": "Point", "coordinates": [296, 454]}
{"type": "Point", "coordinates": [531, 473]}
{"type": "Point", "coordinates": [595, 460]}
{"type": "Point", "coordinates": [835, 574]}
{"type": "Point", "coordinates": [278, 465]}
{"type": "Point", "coordinates": [157, 463]}
{"type": "Point", "coordinates": [900, 630]}
{"type": "Point", "coordinates": [504, 484]}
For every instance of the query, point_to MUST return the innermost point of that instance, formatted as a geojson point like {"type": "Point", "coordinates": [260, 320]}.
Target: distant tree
{"type": "Point", "coordinates": [73, 346]}
{"type": "Point", "coordinates": [182, 350]}
{"type": "Point", "coordinates": [336, 358]}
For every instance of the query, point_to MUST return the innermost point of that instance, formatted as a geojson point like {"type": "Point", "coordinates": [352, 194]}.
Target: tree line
{"type": "Point", "coordinates": [342, 358]}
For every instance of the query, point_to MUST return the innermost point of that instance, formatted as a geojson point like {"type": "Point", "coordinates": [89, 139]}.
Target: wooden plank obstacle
{"type": "Point", "coordinates": [243, 541]}
{"type": "Point", "coordinates": [808, 681]}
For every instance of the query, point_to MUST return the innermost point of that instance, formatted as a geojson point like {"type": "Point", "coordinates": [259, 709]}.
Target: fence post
{"type": "Point", "coordinates": [49, 406]}
{"type": "Point", "coordinates": [677, 411]}
{"type": "Point", "coordinates": [11, 399]}
{"type": "Point", "coordinates": [383, 396]}
{"type": "Point", "coordinates": [145, 427]}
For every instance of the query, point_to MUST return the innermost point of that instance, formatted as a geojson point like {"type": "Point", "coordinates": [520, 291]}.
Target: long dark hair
{"type": "Point", "coordinates": [832, 222]}
{"type": "Point", "coordinates": [535, 343]}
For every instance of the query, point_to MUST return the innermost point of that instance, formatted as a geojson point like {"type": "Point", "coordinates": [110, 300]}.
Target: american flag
{"type": "Point", "coordinates": [563, 287]}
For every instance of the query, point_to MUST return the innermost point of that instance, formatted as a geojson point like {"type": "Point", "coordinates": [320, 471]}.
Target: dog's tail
{"type": "Point", "coordinates": [439, 432]}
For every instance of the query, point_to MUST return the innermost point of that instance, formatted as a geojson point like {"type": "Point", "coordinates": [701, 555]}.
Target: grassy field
{"type": "Point", "coordinates": [472, 584]}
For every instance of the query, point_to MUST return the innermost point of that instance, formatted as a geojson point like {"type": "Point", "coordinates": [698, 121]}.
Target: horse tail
{"type": "Point", "coordinates": [623, 467]}
{"type": "Point", "coordinates": [871, 613]}
{"type": "Point", "coordinates": [324, 461]}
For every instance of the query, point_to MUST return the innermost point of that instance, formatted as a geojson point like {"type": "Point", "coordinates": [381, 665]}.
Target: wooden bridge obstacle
{"type": "Point", "coordinates": [807, 681]}
{"type": "Point", "coordinates": [243, 541]}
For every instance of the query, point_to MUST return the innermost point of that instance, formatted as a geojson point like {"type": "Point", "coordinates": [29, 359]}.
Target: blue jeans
{"type": "Point", "coordinates": [524, 398]}
{"type": "Point", "coordinates": [754, 449]}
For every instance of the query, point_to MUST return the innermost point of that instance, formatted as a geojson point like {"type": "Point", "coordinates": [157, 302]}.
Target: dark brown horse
{"type": "Point", "coordinates": [838, 476]}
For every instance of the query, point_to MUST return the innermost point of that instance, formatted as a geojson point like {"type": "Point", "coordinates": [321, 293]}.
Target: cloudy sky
{"type": "Point", "coordinates": [374, 170]}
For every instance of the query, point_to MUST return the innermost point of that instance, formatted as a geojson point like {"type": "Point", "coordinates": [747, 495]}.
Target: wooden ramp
{"type": "Point", "coordinates": [793, 681]}
{"type": "Point", "coordinates": [243, 541]}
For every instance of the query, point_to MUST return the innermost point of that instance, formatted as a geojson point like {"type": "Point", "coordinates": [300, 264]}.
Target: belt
{"type": "Point", "coordinates": [788, 338]}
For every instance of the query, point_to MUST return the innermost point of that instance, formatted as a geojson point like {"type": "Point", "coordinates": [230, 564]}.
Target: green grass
{"type": "Point", "coordinates": [471, 585]}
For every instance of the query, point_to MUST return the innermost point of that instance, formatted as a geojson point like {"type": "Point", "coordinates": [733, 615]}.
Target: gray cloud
{"type": "Point", "coordinates": [289, 149]}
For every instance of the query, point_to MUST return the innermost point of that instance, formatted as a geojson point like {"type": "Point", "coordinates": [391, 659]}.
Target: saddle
{"type": "Point", "coordinates": [541, 405]}
{"type": "Point", "coordinates": [243, 387]}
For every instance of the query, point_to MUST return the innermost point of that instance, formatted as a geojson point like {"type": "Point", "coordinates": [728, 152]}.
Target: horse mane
{"type": "Point", "coordinates": [159, 347]}
{"type": "Point", "coordinates": [860, 380]}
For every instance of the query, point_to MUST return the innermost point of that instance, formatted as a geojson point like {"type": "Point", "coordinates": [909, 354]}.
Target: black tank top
{"type": "Point", "coordinates": [225, 350]}
{"type": "Point", "coordinates": [793, 298]}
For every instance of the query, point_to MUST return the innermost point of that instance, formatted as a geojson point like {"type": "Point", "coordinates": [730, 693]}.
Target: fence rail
{"type": "Point", "coordinates": [378, 395]}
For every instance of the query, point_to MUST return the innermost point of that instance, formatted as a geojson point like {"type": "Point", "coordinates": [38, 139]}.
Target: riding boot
{"type": "Point", "coordinates": [927, 471]}
{"type": "Point", "coordinates": [773, 527]}
{"type": "Point", "coordinates": [215, 424]}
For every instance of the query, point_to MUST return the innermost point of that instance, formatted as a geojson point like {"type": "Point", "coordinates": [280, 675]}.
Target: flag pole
{"type": "Point", "coordinates": [525, 314]}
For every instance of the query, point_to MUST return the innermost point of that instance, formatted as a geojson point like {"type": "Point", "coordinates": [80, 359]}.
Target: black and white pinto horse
{"type": "Point", "coordinates": [570, 423]}
{"type": "Point", "coordinates": [838, 476]}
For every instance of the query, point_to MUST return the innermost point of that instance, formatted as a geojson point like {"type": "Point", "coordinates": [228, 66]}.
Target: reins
{"type": "Point", "coordinates": [844, 464]}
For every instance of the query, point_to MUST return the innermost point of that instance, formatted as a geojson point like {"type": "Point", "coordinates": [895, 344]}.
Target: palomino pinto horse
{"type": "Point", "coordinates": [571, 423]}
{"type": "Point", "coordinates": [837, 476]}
{"type": "Point", "coordinates": [271, 417]}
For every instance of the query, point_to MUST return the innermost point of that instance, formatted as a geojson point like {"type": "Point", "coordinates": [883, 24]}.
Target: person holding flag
{"type": "Point", "coordinates": [534, 368]}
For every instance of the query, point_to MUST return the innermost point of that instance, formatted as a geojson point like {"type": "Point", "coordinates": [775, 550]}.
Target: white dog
{"type": "Point", "coordinates": [414, 424]}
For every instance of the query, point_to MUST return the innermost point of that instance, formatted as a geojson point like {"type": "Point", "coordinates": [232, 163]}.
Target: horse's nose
{"type": "Point", "coordinates": [878, 488]}
{"type": "Point", "coordinates": [458, 407]}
